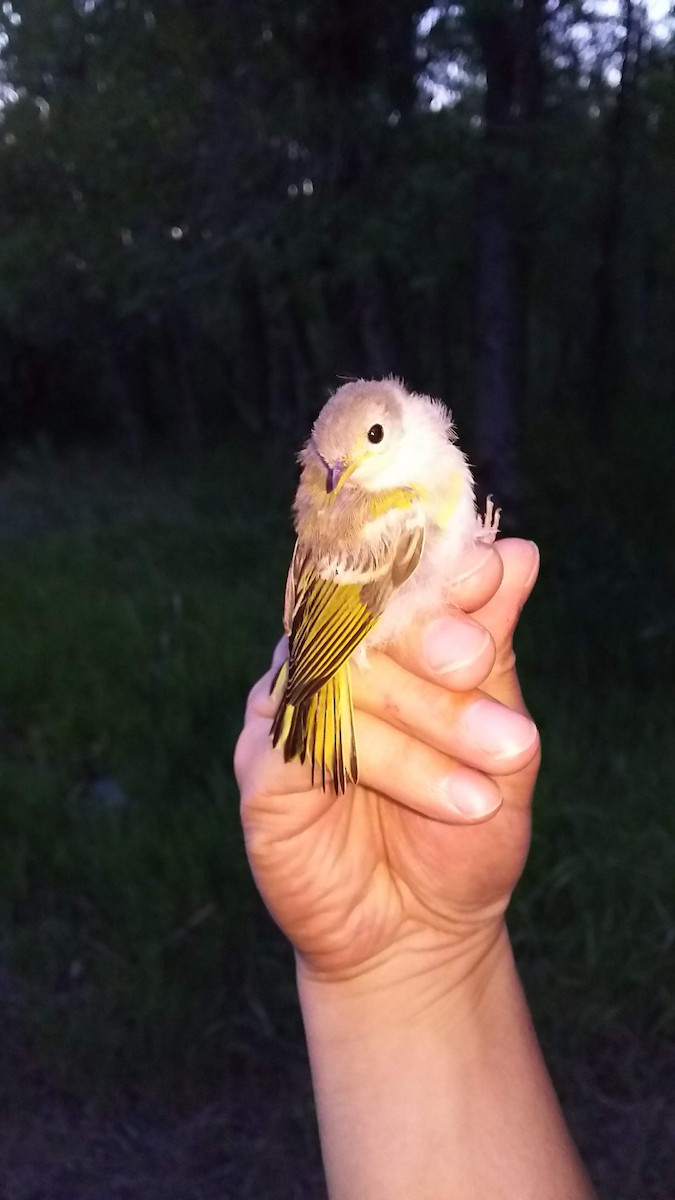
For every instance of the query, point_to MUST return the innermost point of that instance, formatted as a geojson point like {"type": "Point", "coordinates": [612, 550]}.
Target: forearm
{"type": "Point", "coordinates": [437, 1095]}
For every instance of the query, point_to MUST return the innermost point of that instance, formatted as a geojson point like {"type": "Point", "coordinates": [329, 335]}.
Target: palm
{"type": "Point", "coordinates": [348, 877]}
{"type": "Point", "coordinates": [354, 874]}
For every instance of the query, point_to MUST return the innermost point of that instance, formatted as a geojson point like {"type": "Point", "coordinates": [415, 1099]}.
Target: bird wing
{"type": "Point", "coordinates": [326, 619]}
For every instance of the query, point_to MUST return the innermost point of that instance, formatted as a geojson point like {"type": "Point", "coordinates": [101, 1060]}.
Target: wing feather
{"type": "Point", "coordinates": [330, 619]}
{"type": "Point", "coordinates": [326, 619]}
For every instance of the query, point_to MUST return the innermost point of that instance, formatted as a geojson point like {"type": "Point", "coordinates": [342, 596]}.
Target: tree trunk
{"type": "Point", "coordinates": [498, 309]}
{"type": "Point", "coordinates": [509, 38]}
{"type": "Point", "coordinates": [497, 336]}
{"type": "Point", "coordinates": [371, 304]}
{"type": "Point", "coordinates": [127, 417]}
{"type": "Point", "coordinates": [531, 84]}
{"type": "Point", "coordinates": [606, 355]}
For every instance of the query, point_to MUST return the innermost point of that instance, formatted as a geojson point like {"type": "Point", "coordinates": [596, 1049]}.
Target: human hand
{"type": "Point", "coordinates": [418, 860]}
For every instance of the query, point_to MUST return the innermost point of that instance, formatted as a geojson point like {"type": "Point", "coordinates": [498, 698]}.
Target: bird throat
{"type": "Point", "coordinates": [329, 522]}
{"type": "Point", "coordinates": [380, 503]}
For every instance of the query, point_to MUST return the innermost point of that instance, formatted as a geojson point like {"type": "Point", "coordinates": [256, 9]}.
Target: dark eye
{"type": "Point", "coordinates": [375, 434]}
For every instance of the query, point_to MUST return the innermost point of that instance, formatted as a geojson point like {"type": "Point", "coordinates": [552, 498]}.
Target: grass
{"type": "Point", "coordinates": [128, 643]}
{"type": "Point", "coordinates": [134, 615]}
{"type": "Point", "coordinates": [594, 918]}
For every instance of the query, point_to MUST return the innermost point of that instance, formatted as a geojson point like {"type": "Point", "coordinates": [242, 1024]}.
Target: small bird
{"type": "Point", "coordinates": [384, 511]}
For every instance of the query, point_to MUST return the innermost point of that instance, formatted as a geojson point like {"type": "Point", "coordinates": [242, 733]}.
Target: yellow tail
{"type": "Point", "coordinates": [321, 728]}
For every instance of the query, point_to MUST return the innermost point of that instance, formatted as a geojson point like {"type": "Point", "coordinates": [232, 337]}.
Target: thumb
{"type": "Point", "coordinates": [500, 616]}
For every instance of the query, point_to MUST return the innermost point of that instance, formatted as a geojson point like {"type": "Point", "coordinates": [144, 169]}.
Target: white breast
{"type": "Point", "coordinates": [426, 589]}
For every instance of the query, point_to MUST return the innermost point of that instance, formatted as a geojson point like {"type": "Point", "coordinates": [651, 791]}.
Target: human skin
{"type": "Point", "coordinates": [428, 1077]}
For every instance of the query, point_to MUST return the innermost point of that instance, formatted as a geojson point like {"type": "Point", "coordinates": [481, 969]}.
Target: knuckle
{"type": "Point", "coordinates": [441, 707]}
{"type": "Point", "coordinates": [259, 697]}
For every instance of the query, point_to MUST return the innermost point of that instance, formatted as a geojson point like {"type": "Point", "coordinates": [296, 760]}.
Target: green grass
{"type": "Point", "coordinates": [127, 647]}
{"type": "Point", "coordinates": [134, 614]}
{"type": "Point", "coordinates": [594, 918]}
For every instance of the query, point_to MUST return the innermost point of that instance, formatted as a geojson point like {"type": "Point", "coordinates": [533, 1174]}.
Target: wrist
{"type": "Point", "coordinates": [434, 1091]}
{"type": "Point", "coordinates": [421, 982]}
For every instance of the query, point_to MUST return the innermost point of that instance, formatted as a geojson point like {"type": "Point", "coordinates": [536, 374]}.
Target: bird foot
{"type": "Point", "coordinates": [488, 525]}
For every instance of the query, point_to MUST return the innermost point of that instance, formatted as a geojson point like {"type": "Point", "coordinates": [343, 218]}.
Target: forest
{"type": "Point", "coordinates": [211, 213]}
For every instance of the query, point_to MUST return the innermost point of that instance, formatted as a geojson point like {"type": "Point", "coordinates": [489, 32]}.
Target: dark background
{"type": "Point", "coordinates": [210, 214]}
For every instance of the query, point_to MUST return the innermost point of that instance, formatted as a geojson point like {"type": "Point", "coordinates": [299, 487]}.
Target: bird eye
{"type": "Point", "coordinates": [375, 434]}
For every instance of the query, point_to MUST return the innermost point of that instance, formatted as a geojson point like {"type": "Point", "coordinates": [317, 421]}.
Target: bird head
{"type": "Point", "coordinates": [376, 435]}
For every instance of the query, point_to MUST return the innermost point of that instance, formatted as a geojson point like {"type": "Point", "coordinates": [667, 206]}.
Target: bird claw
{"type": "Point", "coordinates": [488, 525]}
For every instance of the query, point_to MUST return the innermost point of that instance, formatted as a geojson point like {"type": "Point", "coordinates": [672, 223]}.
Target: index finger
{"type": "Point", "coordinates": [477, 579]}
{"type": "Point", "coordinates": [450, 647]}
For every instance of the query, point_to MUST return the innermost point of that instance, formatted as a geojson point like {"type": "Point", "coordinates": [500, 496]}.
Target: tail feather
{"type": "Point", "coordinates": [340, 772]}
{"type": "Point", "coordinates": [320, 728]}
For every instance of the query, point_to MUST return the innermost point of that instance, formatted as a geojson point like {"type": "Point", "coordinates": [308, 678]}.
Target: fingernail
{"type": "Point", "coordinates": [472, 562]}
{"type": "Point", "coordinates": [467, 793]}
{"type": "Point", "coordinates": [451, 642]}
{"type": "Point", "coordinates": [497, 730]}
{"type": "Point", "coordinates": [535, 567]}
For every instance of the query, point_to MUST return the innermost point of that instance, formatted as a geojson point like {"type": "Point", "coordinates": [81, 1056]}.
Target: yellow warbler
{"type": "Point", "coordinates": [384, 511]}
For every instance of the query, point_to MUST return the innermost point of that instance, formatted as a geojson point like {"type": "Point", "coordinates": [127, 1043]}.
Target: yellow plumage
{"type": "Point", "coordinates": [384, 509]}
{"type": "Point", "coordinates": [321, 728]}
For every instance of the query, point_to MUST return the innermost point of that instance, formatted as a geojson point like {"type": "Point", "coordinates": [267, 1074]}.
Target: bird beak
{"type": "Point", "coordinates": [337, 475]}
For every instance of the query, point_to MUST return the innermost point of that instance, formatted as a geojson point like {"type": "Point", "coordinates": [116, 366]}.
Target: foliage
{"type": "Point", "coordinates": [209, 212]}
